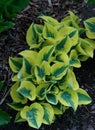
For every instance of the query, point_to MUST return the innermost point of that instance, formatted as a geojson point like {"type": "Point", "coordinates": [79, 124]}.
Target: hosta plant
{"type": "Point", "coordinates": [45, 84]}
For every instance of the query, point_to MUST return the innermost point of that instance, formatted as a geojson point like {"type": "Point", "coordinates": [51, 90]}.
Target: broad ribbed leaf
{"type": "Point", "coordinates": [48, 113]}
{"type": "Point", "coordinates": [33, 114]}
{"type": "Point", "coordinates": [90, 2]}
{"type": "Point", "coordinates": [15, 64]}
{"type": "Point", "coordinates": [90, 27]}
{"type": "Point", "coordinates": [13, 7]}
{"type": "Point", "coordinates": [27, 89]}
{"type": "Point", "coordinates": [17, 98]}
{"type": "Point", "coordinates": [4, 118]}
{"type": "Point", "coordinates": [69, 98]}
{"type": "Point", "coordinates": [83, 97]}
{"type": "Point", "coordinates": [5, 25]}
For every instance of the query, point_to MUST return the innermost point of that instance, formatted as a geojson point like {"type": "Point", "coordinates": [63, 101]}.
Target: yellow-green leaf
{"type": "Point", "coordinates": [58, 70]}
{"type": "Point", "coordinates": [45, 53]}
{"type": "Point", "coordinates": [83, 97]}
{"type": "Point", "coordinates": [71, 32]}
{"type": "Point", "coordinates": [49, 32]}
{"type": "Point", "coordinates": [25, 70]}
{"type": "Point", "coordinates": [48, 113]}
{"type": "Point", "coordinates": [59, 109]}
{"type": "Point", "coordinates": [16, 106]}
{"type": "Point", "coordinates": [90, 27]}
{"type": "Point", "coordinates": [28, 90]}
{"type": "Point", "coordinates": [17, 98]}
{"type": "Point", "coordinates": [85, 48]}
{"type": "Point", "coordinates": [30, 56]}
{"type": "Point", "coordinates": [18, 118]}
{"type": "Point", "coordinates": [72, 82]}
{"type": "Point", "coordinates": [50, 20]}
{"type": "Point", "coordinates": [41, 90]}
{"type": "Point", "coordinates": [52, 98]}
{"type": "Point", "coordinates": [69, 98]}
{"type": "Point", "coordinates": [65, 44]}
{"type": "Point", "coordinates": [32, 37]}
{"type": "Point", "coordinates": [74, 61]}
{"type": "Point", "coordinates": [15, 64]}
{"type": "Point", "coordinates": [62, 57]}
{"type": "Point", "coordinates": [33, 114]}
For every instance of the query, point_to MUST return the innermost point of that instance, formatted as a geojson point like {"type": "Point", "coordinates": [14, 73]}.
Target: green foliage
{"type": "Point", "coordinates": [1, 84]}
{"type": "Point", "coordinates": [90, 2]}
{"type": "Point", "coordinates": [4, 116]}
{"type": "Point", "coordinates": [45, 84]}
{"type": "Point", "coordinates": [9, 9]}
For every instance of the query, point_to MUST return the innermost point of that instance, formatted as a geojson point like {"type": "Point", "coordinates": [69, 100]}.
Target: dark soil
{"type": "Point", "coordinates": [14, 41]}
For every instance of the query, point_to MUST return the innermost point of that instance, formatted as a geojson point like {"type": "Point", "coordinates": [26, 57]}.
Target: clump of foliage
{"type": "Point", "coordinates": [8, 10]}
{"type": "Point", "coordinates": [45, 84]}
{"type": "Point", "coordinates": [90, 2]}
{"type": "Point", "coordinates": [4, 116]}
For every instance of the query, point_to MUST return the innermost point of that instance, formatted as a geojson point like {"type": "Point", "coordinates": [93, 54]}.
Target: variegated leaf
{"type": "Point", "coordinates": [50, 20]}
{"type": "Point", "coordinates": [72, 82]}
{"type": "Point", "coordinates": [32, 37]}
{"type": "Point", "coordinates": [74, 61]}
{"type": "Point", "coordinates": [65, 44]}
{"type": "Point", "coordinates": [51, 98]}
{"type": "Point", "coordinates": [48, 113]}
{"type": "Point", "coordinates": [58, 70]}
{"type": "Point", "coordinates": [17, 98]}
{"type": "Point", "coordinates": [71, 32]}
{"type": "Point", "coordinates": [28, 90]}
{"type": "Point", "coordinates": [25, 70]}
{"type": "Point", "coordinates": [45, 53]}
{"type": "Point", "coordinates": [41, 91]}
{"type": "Point", "coordinates": [18, 118]}
{"type": "Point", "coordinates": [69, 98]}
{"type": "Point", "coordinates": [83, 97]}
{"type": "Point", "coordinates": [15, 64]}
{"type": "Point", "coordinates": [90, 27]}
{"type": "Point", "coordinates": [49, 32]}
{"type": "Point", "coordinates": [33, 114]}
{"type": "Point", "coordinates": [16, 106]}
